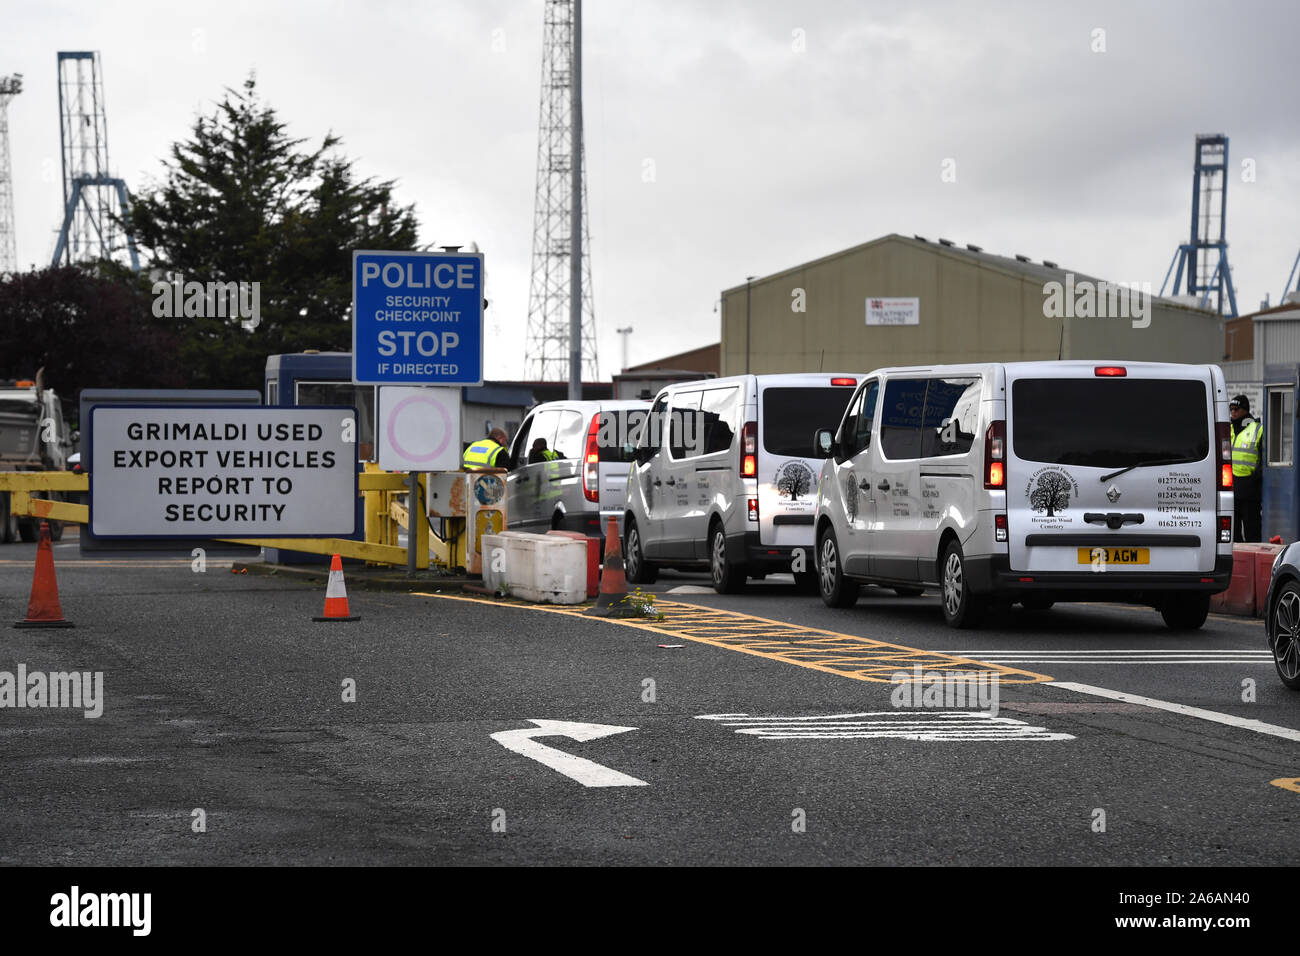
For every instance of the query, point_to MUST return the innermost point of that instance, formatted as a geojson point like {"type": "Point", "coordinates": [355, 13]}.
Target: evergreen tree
{"type": "Point", "coordinates": [243, 201]}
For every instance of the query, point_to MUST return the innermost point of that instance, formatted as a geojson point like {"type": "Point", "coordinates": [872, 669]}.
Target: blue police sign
{"type": "Point", "coordinates": [417, 318]}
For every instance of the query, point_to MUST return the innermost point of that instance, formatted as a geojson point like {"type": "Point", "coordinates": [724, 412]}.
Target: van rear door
{"type": "Point", "coordinates": [1111, 468]}
{"type": "Point", "coordinates": [790, 414]}
{"type": "Point", "coordinates": [616, 432]}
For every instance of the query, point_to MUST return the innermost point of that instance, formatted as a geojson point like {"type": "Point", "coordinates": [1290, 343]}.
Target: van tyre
{"type": "Point", "coordinates": [1285, 643]}
{"type": "Point", "coordinates": [1186, 612]}
{"type": "Point", "coordinates": [836, 590]}
{"type": "Point", "coordinates": [27, 530]}
{"type": "Point", "coordinates": [727, 577]}
{"type": "Point", "coordinates": [961, 608]}
{"type": "Point", "coordinates": [635, 566]}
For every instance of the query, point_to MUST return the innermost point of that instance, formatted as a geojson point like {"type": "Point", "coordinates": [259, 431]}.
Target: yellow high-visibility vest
{"type": "Point", "coordinates": [1245, 450]}
{"type": "Point", "coordinates": [482, 454]}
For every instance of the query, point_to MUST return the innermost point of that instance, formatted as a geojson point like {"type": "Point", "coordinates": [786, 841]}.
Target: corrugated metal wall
{"type": "Point", "coordinates": [971, 310]}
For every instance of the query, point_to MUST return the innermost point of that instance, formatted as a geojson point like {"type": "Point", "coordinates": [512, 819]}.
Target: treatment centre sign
{"type": "Point", "coordinates": [222, 471]}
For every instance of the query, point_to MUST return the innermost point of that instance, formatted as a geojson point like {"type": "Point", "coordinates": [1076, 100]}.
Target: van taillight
{"type": "Point", "coordinates": [1225, 529]}
{"type": "Point", "coordinates": [591, 462]}
{"type": "Point", "coordinates": [995, 451]}
{"type": "Point", "coordinates": [749, 450]}
{"type": "Point", "coordinates": [1223, 433]}
{"type": "Point", "coordinates": [844, 381]}
{"type": "Point", "coordinates": [999, 527]}
{"type": "Point", "coordinates": [1116, 371]}
{"type": "Point", "coordinates": [753, 509]}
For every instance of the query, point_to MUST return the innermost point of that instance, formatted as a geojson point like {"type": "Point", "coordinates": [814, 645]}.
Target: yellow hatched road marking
{"type": "Point", "coordinates": [861, 658]}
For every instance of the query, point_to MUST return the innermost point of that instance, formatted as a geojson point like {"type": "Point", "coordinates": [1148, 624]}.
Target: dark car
{"type": "Point", "coordinates": [1282, 620]}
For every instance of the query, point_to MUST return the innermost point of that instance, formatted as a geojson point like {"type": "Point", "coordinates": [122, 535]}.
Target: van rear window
{"type": "Point", "coordinates": [792, 416]}
{"type": "Point", "coordinates": [1109, 422]}
{"type": "Point", "coordinates": [618, 432]}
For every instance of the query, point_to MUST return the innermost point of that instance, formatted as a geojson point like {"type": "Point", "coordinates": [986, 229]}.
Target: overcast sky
{"type": "Point", "coordinates": [777, 131]}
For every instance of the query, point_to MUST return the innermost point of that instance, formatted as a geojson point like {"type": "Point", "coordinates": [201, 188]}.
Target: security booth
{"type": "Point", "coordinates": [1262, 362]}
{"type": "Point", "coordinates": [300, 379]}
{"type": "Point", "coordinates": [1280, 393]}
{"type": "Point", "coordinates": [325, 378]}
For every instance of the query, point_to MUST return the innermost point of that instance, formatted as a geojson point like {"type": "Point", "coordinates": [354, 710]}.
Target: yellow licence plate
{"type": "Point", "coordinates": [1115, 555]}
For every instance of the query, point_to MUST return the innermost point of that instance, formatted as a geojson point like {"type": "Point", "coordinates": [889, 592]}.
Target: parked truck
{"type": "Point", "coordinates": [34, 436]}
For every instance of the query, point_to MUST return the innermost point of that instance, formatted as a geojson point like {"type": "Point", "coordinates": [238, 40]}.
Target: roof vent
{"type": "Point", "coordinates": [974, 248]}
{"type": "Point", "coordinates": [1020, 258]}
{"type": "Point", "coordinates": [1050, 264]}
{"type": "Point", "coordinates": [946, 242]}
{"type": "Point", "coordinates": [922, 238]}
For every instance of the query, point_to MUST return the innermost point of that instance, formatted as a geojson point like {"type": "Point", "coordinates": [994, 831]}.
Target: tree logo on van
{"type": "Point", "coordinates": [793, 479]}
{"type": "Point", "coordinates": [851, 496]}
{"type": "Point", "coordinates": [1049, 491]}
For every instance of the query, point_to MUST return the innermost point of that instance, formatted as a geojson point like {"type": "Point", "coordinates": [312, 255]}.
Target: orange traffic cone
{"type": "Point", "coordinates": [44, 610]}
{"type": "Point", "coordinates": [613, 581]}
{"type": "Point", "coordinates": [336, 595]}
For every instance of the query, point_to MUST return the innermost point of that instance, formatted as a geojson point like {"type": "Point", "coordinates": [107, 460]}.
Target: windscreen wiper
{"type": "Point", "coordinates": [1149, 464]}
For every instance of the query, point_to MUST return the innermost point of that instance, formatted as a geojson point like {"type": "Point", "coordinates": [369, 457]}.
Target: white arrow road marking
{"type": "Point", "coordinates": [899, 724]}
{"type": "Point", "coordinates": [586, 772]}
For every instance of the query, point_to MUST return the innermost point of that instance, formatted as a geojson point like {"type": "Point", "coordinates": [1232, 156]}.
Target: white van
{"type": "Point", "coordinates": [569, 463]}
{"type": "Point", "coordinates": [1033, 482]}
{"type": "Point", "coordinates": [725, 477]}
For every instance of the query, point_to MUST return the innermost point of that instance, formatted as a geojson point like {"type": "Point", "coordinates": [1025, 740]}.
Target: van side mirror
{"type": "Point", "coordinates": [823, 443]}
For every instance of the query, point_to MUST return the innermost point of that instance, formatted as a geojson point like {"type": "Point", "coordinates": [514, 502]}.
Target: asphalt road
{"type": "Point", "coordinates": [220, 694]}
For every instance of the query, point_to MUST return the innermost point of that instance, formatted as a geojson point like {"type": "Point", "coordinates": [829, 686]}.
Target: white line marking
{"type": "Point", "coordinates": [897, 724]}
{"type": "Point", "coordinates": [1117, 650]}
{"type": "Point", "coordinates": [1158, 662]}
{"type": "Point", "coordinates": [1258, 726]}
{"type": "Point", "coordinates": [586, 772]}
{"type": "Point", "coordinates": [1118, 656]}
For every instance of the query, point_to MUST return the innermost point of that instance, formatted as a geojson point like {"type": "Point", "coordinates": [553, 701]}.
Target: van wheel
{"type": "Point", "coordinates": [836, 589]}
{"type": "Point", "coordinates": [637, 569]}
{"type": "Point", "coordinates": [909, 592]}
{"type": "Point", "coordinates": [961, 608]}
{"type": "Point", "coordinates": [28, 530]}
{"type": "Point", "coordinates": [1187, 612]}
{"type": "Point", "coordinates": [1286, 635]}
{"type": "Point", "coordinates": [727, 577]}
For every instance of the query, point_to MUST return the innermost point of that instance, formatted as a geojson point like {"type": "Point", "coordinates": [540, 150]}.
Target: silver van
{"type": "Point", "coordinates": [1033, 482]}
{"type": "Point", "coordinates": [725, 474]}
{"type": "Point", "coordinates": [569, 463]}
